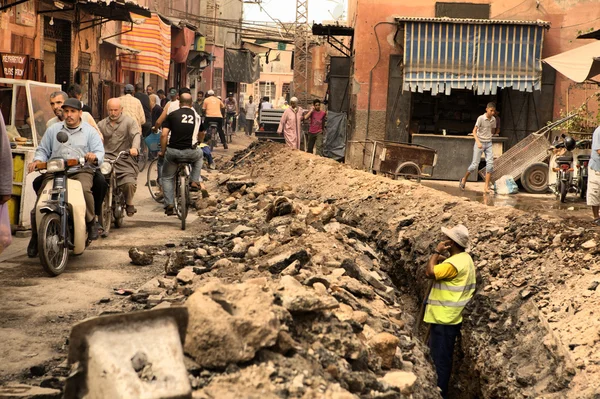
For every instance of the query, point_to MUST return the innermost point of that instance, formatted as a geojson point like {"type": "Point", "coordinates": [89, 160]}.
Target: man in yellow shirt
{"type": "Point", "coordinates": [212, 108]}
{"type": "Point", "coordinates": [453, 288]}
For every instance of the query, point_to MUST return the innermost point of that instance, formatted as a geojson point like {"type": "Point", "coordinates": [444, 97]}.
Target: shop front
{"type": "Point", "coordinates": [451, 69]}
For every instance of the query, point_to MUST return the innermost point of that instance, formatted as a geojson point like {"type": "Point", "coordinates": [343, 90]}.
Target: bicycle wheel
{"type": "Point", "coordinates": [184, 194]}
{"type": "Point", "coordinates": [152, 181]}
{"type": "Point", "coordinates": [142, 156]}
{"type": "Point", "coordinates": [177, 198]}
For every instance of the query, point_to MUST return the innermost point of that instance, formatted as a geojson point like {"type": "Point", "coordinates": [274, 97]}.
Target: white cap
{"type": "Point", "coordinates": [459, 234]}
{"type": "Point", "coordinates": [211, 93]}
{"type": "Point", "coordinates": [294, 100]}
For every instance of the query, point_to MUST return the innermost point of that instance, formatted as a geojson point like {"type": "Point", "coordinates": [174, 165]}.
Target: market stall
{"type": "Point", "coordinates": [26, 108]}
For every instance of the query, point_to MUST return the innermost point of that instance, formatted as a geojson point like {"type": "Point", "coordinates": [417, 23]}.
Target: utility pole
{"type": "Point", "coordinates": [301, 54]}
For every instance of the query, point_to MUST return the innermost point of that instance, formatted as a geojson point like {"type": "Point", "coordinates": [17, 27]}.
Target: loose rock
{"type": "Point", "coordinates": [140, 258]}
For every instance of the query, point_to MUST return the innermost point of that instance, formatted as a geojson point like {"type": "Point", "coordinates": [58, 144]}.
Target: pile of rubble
{"type": "Point", "coordinates": [286, 299]}
{"type": "Point", "coordinates": [302, 279]}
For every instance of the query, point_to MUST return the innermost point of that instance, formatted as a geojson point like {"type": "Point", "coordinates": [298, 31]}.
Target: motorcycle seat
{"type": "Point", "coordinates": [583, 158]}
{"type": "Point", "coordinates": [567, 158]}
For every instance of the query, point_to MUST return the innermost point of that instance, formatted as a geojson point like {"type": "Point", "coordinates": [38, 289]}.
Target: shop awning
{"type": "Point", "coordinates": [579, 64]}
{"type": "Point", "coordinates": [441, 54]}
{"type": "Point", "coordinates": [113, 10]}
{"type": "Point", "coordinates": [153, 38]}
{"type": "Point", "coordinates": [128, 49]}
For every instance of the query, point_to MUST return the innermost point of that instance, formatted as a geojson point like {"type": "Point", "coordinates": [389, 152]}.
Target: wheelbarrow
{"type": "Point", "coordinates": [134, 355]}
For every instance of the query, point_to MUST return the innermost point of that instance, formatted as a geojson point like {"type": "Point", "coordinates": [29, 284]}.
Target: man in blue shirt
{"type": "Point", "coordinates": [84, 141]}
{"type": "Point", "coordinates": [593, 189]}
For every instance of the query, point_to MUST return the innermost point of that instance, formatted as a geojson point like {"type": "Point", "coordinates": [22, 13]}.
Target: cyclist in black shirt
{"type": "Point", "coordinates": [184, 126]}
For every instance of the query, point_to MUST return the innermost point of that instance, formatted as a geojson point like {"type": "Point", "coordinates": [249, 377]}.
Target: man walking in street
{"type": "Point", "coordinates": [198, 103]}
{"type": "Point", "coordinates": [485, 128]}
{"type": "Point", "coordinates": [121, 133]}
{"type": "Point", "coordinates": [132, 106]}
{"type": "Point", "coordinates": [290, 125]}
{"type": "Point", "coordinates": [74, 91]}
{"type": "Point", "coordinates": [453, 287]}
{"type": "Point", "coordinates": [145, 100]}
{"type": "Point", "coordinates": [316, 128]}
{"type": "Point", "coordinates": [85, 142]}
{"type": "Point", "coordinates": [163, 98]}
{"type": "Point", "coordinates": [213, 108]}
{"type": "Point", "coordinates": [250, 112]}
{"type": "Point", "coordinates": [150, 93]}
{"type": "Point", "coordinates": [593, 188]}
{"type": "Point", "coordinates": [184, 127]}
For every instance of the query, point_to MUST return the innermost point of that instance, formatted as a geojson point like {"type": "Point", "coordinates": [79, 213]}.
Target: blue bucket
{"type": "Point", "coordinates": [153, 142]}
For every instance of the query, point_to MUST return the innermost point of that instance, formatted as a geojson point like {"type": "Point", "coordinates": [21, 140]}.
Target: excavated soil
{"type": "Point", "coordinates": [533, 329]}
{"type": "Point", "coordinates": [303, 278]}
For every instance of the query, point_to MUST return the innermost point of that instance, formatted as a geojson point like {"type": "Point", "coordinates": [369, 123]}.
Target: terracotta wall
{"type": "Point", "coordinates": [567, 17]}
{"type": "Point", "coordinates": [9, 27]}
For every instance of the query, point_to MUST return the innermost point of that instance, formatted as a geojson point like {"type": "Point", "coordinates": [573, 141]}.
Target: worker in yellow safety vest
{"type": "Point", "coordinates": [453, 287]}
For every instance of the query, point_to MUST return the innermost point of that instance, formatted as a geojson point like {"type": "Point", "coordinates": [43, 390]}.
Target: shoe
{"type": "Point", "coordinates": [225, 146]}
{"type": "Point", "coordinates": [596, 222]}
{"type": "Point", "coordinates": [130, 209]}
{"type": "Point", "coordinates": [170, 210]}
{"type": "Point", "coordinates": [212, 166]}
{"type": "Point", "coordinates": [194, 188]}
{"type": "Point", "coordinates": [160, 195]}
{"type": "Point", "coordinates": [32, 247]}
{"type": "Point", "coordinates": [100, 228]}
{"type": "Point", "coordinates": [92, 231]}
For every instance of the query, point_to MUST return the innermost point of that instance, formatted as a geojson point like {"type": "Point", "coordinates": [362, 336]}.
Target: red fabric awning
{"type": "Point", "coordinates": [182, 41]}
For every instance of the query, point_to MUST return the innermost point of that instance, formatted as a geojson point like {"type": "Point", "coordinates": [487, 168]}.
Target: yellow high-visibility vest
{"type": "Point", "coordinates": [448, 298]}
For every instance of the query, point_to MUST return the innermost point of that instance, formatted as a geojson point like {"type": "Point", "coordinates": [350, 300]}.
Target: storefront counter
{"type": "Point", "coordinates": [455, 153]}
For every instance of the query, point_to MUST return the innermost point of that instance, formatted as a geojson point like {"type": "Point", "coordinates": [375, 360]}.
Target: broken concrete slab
{"type": "Point", "coordinates": [278, 263]}
{"type": "Point", "coordinates": [23, 391]}
{"type": "Point", "coordinates": [297, 298]}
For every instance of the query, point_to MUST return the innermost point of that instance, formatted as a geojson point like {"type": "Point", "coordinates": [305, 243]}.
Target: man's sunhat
{"type": "Point", "coordinates": [294, 100]}
{"type": "Point", "coordinates": [459, 234]}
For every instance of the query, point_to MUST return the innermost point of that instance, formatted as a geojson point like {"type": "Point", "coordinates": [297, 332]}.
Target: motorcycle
{"type": "Point", "coordinates": [113, 207]}
{"type": "Point", "coordinates": [582, 168]}
{"type": "Point", "coordinates": [566, 182]}
{"type": "Point", "coordinates": [60, 211]}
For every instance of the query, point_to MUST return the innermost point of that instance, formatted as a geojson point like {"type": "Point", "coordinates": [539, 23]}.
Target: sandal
{"type": "Point", "coordinates": [596, 222]}
{"type": "Point", "coordinates": [130, 209]}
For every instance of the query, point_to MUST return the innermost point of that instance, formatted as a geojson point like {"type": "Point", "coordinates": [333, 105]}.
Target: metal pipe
{"type": "Point", "coordinates": [371, 73]}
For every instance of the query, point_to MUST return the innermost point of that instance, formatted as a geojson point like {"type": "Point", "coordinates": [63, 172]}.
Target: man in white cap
{"type": "Point", "coordinates": [453, 287]}
{"type": "Point", "coordinates": [290, 125]}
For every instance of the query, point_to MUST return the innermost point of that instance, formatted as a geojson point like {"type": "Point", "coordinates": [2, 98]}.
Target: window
{"type": "Point", "coordinates": [218, 81]}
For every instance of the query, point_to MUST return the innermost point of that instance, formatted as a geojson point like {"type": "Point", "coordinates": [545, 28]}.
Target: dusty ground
{"type": "Point", "coordinates": [532, 330]}
{"type": "Point", "coordinates": [37, 311]}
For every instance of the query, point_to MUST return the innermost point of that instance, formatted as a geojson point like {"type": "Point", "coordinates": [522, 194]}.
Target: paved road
{"type": "Point", "coordinates": [37, 312]}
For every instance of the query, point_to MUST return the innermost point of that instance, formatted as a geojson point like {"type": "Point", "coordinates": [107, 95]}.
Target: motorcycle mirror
{"type": "Point", "coordinates": [62, 137]}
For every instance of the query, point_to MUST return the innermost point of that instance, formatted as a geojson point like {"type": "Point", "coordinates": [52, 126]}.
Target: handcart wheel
{"type": "Point", "coordinates": [410, 171]}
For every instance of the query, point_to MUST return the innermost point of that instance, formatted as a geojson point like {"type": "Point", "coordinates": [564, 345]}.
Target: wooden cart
{"type": "Point", "coordinates": [410, 161]}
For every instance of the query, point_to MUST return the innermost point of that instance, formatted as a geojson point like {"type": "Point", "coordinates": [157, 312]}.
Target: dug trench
{"type": "Point", "coordinates": [303, 279]}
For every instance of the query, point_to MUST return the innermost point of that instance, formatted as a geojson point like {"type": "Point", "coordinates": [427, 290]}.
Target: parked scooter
{"type": "Point", "coordinates": [569, 179]}
{"type": "Point", "coordinates": [113, 207]}
{"type": "Point", "coordinates": [60, 213]}
{"type": "Point", "coordinates": [582, 168]}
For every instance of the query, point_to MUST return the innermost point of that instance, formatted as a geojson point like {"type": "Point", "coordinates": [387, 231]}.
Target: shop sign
{"type": "Point", "coordinates": [199, 43]}
{"type": "Point", "coordinates": [26, 14]}
{"type": "Point", "coordinates": [14, 66]}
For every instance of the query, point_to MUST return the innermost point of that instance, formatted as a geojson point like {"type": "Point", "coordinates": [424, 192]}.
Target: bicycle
{"type": "Point", "coordinates": [182, 191]}
{"type": "Point", "coordinates": [152, 181]}
{"type": "Point", "coordinates": [212, 134]}
{"type": "Point", "coordinates": [113, 207]}
{"type": "Point", "coordinates": [229, 127]}
{"type": "Point", "coordinates": [142, 157]}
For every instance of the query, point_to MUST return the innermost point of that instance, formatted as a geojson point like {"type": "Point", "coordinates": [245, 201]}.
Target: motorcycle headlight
{"type": "Point", "coordinates": [55, 165]}
{"type": "Point", "coordinates": [105, 168]}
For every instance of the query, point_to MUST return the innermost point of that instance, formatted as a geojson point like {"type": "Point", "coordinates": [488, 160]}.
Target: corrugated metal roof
{"type": "Point", "coordinates": [447, 20]}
